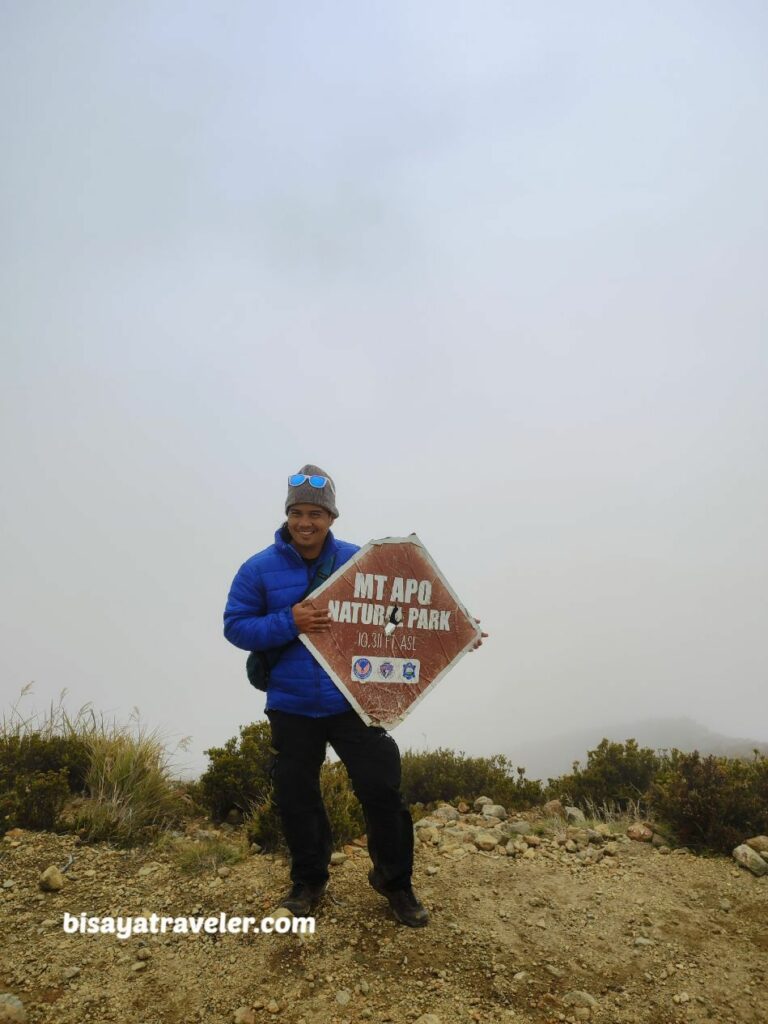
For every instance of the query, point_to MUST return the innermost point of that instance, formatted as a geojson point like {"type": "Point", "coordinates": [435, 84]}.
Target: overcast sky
{"type": "Point", "coordinates": [498, 267]}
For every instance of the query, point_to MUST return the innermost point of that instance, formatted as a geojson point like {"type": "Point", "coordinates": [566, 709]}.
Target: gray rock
{"type": "Point", "coordinates": [12, 1009]}
{"type": "Point", "coordinates": [574, 814]}
{"type": "Point", "coordinates": [481, 802]}
{"type": "Point", "coordinates": [759, 843]}
{"type": "Point", "coordinates": [553, 809]}
{"type": "Point", "coordinates": [515, 828]}
{"type": "Point", "coordinates": [343, 997]}
{"type": "Point", "coordinates": [446, 812]}
{"type": "Point", "coordinates": [579, 998]}
{"type": "Point", "coordinates": [485, 841]}
{"type": "Point", "coordinates": [338, 857]}
{"type": "Point", "coordinates": [751, 859]}
{"type": "Point", "coordinates": [494, 811]}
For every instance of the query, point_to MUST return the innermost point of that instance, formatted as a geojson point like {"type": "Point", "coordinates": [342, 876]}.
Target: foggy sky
{"type": "Point", "coordinates": [499, 268]}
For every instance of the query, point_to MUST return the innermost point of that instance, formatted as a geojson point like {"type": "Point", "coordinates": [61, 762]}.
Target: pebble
{"type": "Point", "coordinates": [578, 997]}
{"type": "Point", "coordinates": [224, 871]}
{"type": "Point", "coordinates": [641, 941]}
{"type": "Point", "coordinates": [343, 997]}
{"type": "Point", "coordinates": [140, 965]}
{"type": "Point", "coordinates": [70, 972]}
{"type": "Point", "coordinates": [51, 880]}
{"type": "Point", "coordinates": [338, 857]}
{"type": "Point", "coordinates": [244, 1015]}
{"type": "Point", "coordinates": [429, 1018]}
{"type": "Point", "coordinates": [432, 870]}
{"type": "Point", "coordinates": [12, 1009]}
{"type": "Point", "coordinates": [272, 1006]}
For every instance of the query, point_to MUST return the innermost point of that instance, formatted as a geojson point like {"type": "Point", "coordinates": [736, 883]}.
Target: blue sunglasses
{"type": "Point", "coordinates": [314, 481]}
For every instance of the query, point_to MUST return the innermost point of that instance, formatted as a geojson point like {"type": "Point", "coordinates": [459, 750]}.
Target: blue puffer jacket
{"type": "Point", "coordinates": [258, 617]}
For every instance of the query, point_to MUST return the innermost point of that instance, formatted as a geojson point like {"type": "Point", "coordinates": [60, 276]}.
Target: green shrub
{"type": "Point", "coordinates": [713, 802]}
{"type": "Point", "coordinates": [238, 773]}
{"type": "Point", "coordinates": [443, 774]}
{"type": "Point", "coordinates": [39, 769]}
{"type": "Point", "coordinates": [238, 776]}
{"type": "Point", "coordinates": [616, 775]}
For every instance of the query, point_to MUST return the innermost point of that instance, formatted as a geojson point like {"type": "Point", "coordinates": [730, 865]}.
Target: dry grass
{"type": "Point", "coordinates": [130, 790]}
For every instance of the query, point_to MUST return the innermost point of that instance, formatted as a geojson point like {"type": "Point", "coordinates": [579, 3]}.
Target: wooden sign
{"type": "Point", "coordinates": [396, 628]}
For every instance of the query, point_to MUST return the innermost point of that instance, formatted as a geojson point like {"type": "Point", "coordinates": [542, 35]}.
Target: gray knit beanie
{"type": "Point", "coordinates": [304, 492]}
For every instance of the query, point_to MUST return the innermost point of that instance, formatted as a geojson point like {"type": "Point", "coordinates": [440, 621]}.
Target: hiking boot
{"type": "Point", "coordinates": [303, 898]}
{"type": "Point", "coordinates": [404, 903]}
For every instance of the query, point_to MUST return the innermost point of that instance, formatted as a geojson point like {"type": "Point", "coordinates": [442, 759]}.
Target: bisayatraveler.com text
{"type": "Point", "coordinates": [159, 924]}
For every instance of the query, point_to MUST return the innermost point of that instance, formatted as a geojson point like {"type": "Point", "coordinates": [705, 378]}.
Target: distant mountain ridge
{"type": "Point", "coordinates": [554, 755]}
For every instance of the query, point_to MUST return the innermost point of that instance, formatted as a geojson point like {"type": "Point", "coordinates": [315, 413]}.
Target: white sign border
{"type": "Point", "coordinates": [410, 539]}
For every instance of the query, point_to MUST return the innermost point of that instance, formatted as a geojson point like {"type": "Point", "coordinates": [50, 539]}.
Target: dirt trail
{"type": "Point", "coordinates": [511, 940]}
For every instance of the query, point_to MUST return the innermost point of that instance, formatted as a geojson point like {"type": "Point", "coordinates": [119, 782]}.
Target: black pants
{"type": "Point", "coordinates": [372, 760]}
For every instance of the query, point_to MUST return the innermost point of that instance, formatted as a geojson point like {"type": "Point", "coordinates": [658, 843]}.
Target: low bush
{"type": "Point", "coordinates": [443, 774]}
{"type": "Point", "coordinates": [617, 775]}
{"type": "Point", "coordinates": [238, 774]}
{"type": "Point", "coordinates": [712, 802]}
{"type": "Point", "coordinates": [193, 857]}
{"type": "Point", "coordinates": [63, 771]}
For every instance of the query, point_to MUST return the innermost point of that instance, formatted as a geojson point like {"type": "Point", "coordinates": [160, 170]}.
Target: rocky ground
{"type": "Point", "coordinates": [532, 920]}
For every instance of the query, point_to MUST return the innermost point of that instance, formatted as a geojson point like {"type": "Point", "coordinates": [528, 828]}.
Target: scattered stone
{"type": "Point", "coordinates": [463, 808]}
{"type": "Point", "coordinates": [574, 814]}
{"type": "Point", "coordinates": [140, 965]}
{"type": "Point", "coordinates": [224, 871]}
{"type": "Point", "coordinates": [515, 828]}
{"type": "Point", "coordinates": [681, 997]}
{"type": "Point", "coordinates": [612, 849]}
{"type": "Point", "coordinates": [9, 883]}
{"type": "Point", "coordinates": [429, 1018]}
{"type": "Point", "coordinates": [70, 972]}
{"type": "Point", "coordinates": [144, 954]}
{"type": "Point", "coordinates": [751, 859]}
{"type": "Point", "coordinates": [244, 1015]}
{"type": "Point", "coordinates": [485, 841]}
{"type": "Point", "coordinates": [664, 850]}
{"type": "Point", "coordinates": [272, 1006]}
{"type": "Point", "coordinates": [11, 1008]}
{"type": "Point", "coordinates": [343, 997]}
{"type": "Point", "coordinates": [642, 941]}
{"type": "Point", "coordinates": [553, 809]}
{"type": "Point", "coordinates": [554, 971]}
{"type": "Point", "coordinates": [255, 848]}
{"type": "Point", "coordinates": [481, 802]}
{"type": "Point", "coordinates": [446, 813]}
{"type": "Point", "coordinates": [494, 811]}
{"type": "Point", "coordinates": [432, 870]}
{"type": "Point", "coordinates": [758, 843]}
{"type": "Point", "coordinates": [51, 880]}
{"type": "Point", "coordinates": [338, 857]}
{"type": "Point", "coordinates": [532, 840]}
{"type": "Point", "coordinates": [578, 997]}
{"type": "Point", "coordinates": [726, 905]}
{"type": "Point", "coordinates": [639, 832]}
{"type": "Point", "coordinates": [365, 988]}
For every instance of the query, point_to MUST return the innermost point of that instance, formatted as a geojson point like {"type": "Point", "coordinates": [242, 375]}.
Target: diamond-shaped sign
{"type": "Point", "coordinates": [396, 628]}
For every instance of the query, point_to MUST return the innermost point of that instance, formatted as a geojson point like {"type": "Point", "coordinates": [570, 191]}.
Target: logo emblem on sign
{"type": "Point", "coordinates": [409, 670]}
{"type": "Point", "coordinates": [362, 668]}
{"type": "Point", "coordinates": [386, 669]}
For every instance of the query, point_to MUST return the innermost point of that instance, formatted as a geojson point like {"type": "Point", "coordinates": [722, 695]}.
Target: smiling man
{"type": "Point", "coordinates": [266, 611]}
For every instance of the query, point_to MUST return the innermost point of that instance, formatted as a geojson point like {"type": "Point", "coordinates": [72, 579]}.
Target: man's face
{"type": "Point", "coordinates": [308, 526]}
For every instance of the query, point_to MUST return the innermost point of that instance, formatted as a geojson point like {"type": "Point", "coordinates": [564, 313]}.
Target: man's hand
{"type": "Point", "coordinates": [480, 641]}
{"type": "Point", "coordinates": [309, 619]}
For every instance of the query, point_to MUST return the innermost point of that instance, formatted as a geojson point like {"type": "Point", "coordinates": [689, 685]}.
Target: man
{"type": "Point", "coordinates": [266, 611]}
